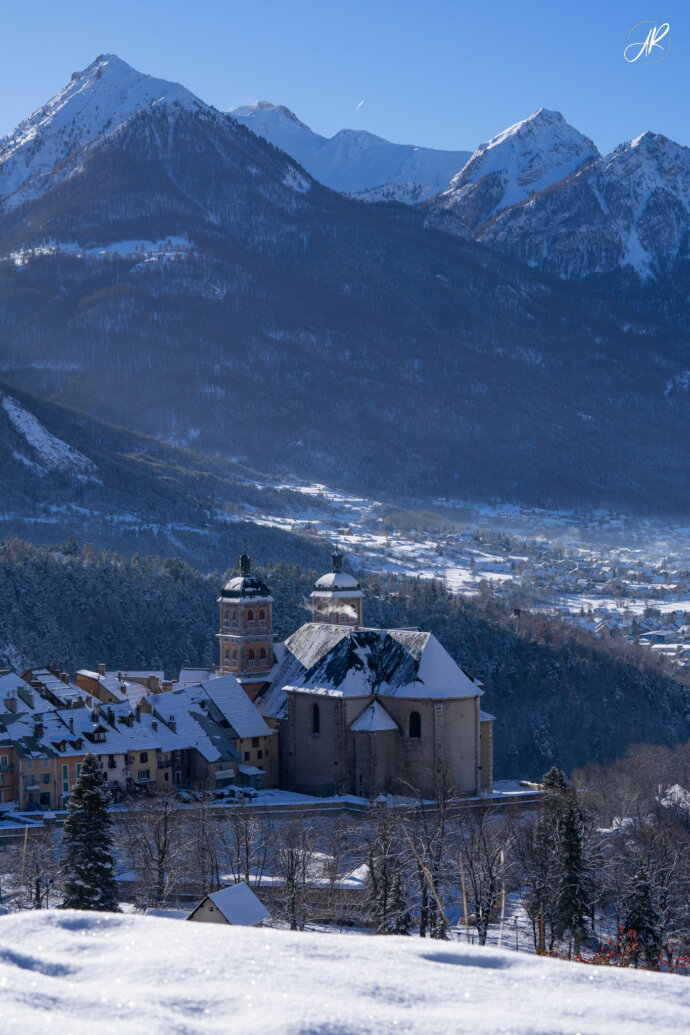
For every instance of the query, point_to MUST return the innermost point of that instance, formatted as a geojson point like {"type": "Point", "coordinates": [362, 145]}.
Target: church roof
{"type": "Point", "coordinates": [245, 587]}
{"type": "Point", "coordinates": [344, 662]}
{"type": "Point", "coordinates": [337, 580]}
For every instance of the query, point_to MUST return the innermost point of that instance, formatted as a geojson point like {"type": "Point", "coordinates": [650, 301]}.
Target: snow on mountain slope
{"type": "Point", "coordinates": [519, 162]}
{"type": "Point", "coordinates": [94, 102]}
{"type": "Point", "coordinates": [49, 452]}
{"type": "Point", "coordinates": [629, 208]}
{"type": "Point", "coordinates": [353, 161]}
{"type": "Point", "coordinates": [168, 975]}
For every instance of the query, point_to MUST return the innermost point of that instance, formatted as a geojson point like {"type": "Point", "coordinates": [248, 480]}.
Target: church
{"type": "Point", "coordinates": [358, 710]}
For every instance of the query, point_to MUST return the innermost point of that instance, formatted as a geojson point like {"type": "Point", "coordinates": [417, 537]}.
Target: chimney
{"type": "Point", "coordinates": [167, 685]}
{"type": "Point", "coordinates": [71, 724]}
{"type": "Point", "coordinates": [38, 727]}
{"type": "Point", "coordinates": [111, 717]}
{"type": "Point", "coordinates": [26, 695]}
{"type": "Point", "coordinates": [101, 668]}
{"type": "Point", "coordinates": [64, 677]}
{"type": "Point", "coordinates": [11, 702]}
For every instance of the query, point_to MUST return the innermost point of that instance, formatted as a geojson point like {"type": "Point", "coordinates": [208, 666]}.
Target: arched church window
{"type": "Point", "coordinates": [263, 655]}
{"type": "Point", "coordinates": [226, 616]}
{"type": "Point", "coordinates": [262, 617]}
{"type": "Point", "coordinates": [233, 616]}
{"type": "Point", "coordinates": [315, 719]}
{"type": "Point", "coordinates": [227, 654]}
{"type": "Point", "coordinates": [234, 653]}
{"type": "Point", "coordinates": [415, 726]}
{"type": "Point", "coordinates": [251, 658]}
{"type": "Point", "coordinates": [250, 618]}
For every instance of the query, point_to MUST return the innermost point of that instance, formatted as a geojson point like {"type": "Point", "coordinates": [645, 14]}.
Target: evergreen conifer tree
{"type": "Point", "coordinates": [574, 879]}
{"type": "Point", "coordinates": [640, 935]}
{"type": "Point", "coordinates": [89, 861]}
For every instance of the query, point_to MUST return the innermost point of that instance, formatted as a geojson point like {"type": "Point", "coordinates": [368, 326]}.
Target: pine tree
{"type": "Point", "coordinates": [574, 883]}
{"type": "Point", "coordinates": [555, 779]}
{"type": "Point", "coordinates": [89, 861]}
{"type": "Point", "coordinates": [640, 936]}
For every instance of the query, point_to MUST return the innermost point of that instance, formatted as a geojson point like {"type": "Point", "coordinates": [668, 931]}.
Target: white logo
{"type": "Point", "coordinates": [650, 50]}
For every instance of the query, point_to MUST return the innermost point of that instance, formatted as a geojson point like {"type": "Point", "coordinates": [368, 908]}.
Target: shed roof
{"type": "Point", "coordinates": [238, 904]}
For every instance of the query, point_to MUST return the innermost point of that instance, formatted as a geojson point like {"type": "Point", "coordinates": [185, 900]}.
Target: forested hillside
{"type": "Point", "coordinates": [559, 696]}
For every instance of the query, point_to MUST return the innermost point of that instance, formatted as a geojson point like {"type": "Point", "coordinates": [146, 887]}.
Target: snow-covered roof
{"type": "Point", "coordinates": [374, 719]}
{"type": "Point", "coordinates": [245, 587]}
{"type": "Point", "coordinates": [347, 662]}
{"type": "Point", "coordinates": [337, 582]}
{"type": "Point", "coordinates": [238, 904]}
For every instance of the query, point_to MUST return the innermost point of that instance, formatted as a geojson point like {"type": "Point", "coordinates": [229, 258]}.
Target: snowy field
{"type": "Point", "coordinates": [65, 972]}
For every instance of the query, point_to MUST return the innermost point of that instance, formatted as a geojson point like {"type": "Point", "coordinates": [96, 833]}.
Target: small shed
{"type": "Point", "coordinates": [236, 905]}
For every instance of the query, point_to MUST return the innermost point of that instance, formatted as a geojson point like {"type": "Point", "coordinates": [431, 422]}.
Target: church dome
{"type": "Point", "coordinates": [244, 586]}
{"type": "Point", "coordinates": [336, 581]}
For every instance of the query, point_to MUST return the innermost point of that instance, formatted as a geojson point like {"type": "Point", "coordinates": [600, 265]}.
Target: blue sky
{"type": "Point", "coordinates": [433, 72]}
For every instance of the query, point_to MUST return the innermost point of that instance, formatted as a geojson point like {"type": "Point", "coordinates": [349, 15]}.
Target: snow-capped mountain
{"type": "Point", "coordinates": [178, 275]}
{"type": "Point", "coordinates": [519, 162]}
{"type": "Point", "coordinates": [95, 102]}
{"type": "Point", "coordinates": [353, 161]}
{"type": "Point", "coordinates": [627, 211]}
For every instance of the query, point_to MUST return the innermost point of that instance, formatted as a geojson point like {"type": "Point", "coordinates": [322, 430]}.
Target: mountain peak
{"type": "Point", "coordinates": [520, 161]}
{"type": "Point", "coordinates": [97, 100]}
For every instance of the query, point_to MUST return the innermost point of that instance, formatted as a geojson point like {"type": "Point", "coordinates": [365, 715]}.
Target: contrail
{"type": "Point", "coordinates": [358, 106]}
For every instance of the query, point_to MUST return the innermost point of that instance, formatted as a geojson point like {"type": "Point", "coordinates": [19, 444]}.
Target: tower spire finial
{"type": "Point", "coordinates": [336, 561]}
{"type": "Point", "coordinates": [245, 562]}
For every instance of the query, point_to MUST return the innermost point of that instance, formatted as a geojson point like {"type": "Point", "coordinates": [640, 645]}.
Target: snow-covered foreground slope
{"type": "Point", "coordinates": [77, 972]}
{"type": "Point", "coordinates": [354, 161]}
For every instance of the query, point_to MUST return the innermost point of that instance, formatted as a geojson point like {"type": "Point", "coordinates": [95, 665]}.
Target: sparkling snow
{"type": "Point", "coordinates": [67, 972]}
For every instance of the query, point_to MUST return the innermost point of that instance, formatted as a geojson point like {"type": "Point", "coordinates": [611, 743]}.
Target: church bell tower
{"type": "Point", "coordinates": [337, 597]}
{"type": "Point", "coordinates": [246, 629]}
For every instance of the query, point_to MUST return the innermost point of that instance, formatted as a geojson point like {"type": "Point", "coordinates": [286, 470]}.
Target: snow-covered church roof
{"type": "Point", "coordinates": [345, 662]}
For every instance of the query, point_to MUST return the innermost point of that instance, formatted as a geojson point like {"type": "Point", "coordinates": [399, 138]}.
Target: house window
{"type": "Point", "coordinates": [143, 756]}
{"type": "Point", "coordinates": [45, 778]}
{"type": "Point", "coordinates": [143, 774]}
{"type": "Point", "coordinates": [251, 658]}
{"type": "Point", "coordinates": [246, 756]}
{"type": "Point", "coordinates": [29, 763]}
{"type": "Point", "coordinates": [255, 742]}
{"type": "Point", "coordinates": [250, 619]}
{"type": "Point", "coordinates": [259, 754]}
{"type": "Point", "coordinates": [78, 769]}
{"type": "Point", "coordinates": [65, 772]}
{"type": "Point", "coordinates": [415, 726]}
{"type": "Point", "coordinates": [111, 762]}
{"type": "Point", "coordinates": [315, 719]}
{"type": "Point", "coordinates": [65, 787]}
{"type": "Point", "coordinates": [45, 763]}
{"type": "Point", "coordinates": [262, 617]}
{"type": "Point", "coordinates": [4, 759]}
{"type": "Point", "coordinates": [166, 775]}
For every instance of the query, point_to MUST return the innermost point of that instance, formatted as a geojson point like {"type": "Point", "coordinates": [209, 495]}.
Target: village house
{"type": "Point", "coordinates": [236, 905]}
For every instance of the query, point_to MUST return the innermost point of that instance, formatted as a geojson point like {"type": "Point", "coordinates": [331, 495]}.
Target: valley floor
{"type": "Point", "coordinates": [76, 972]}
